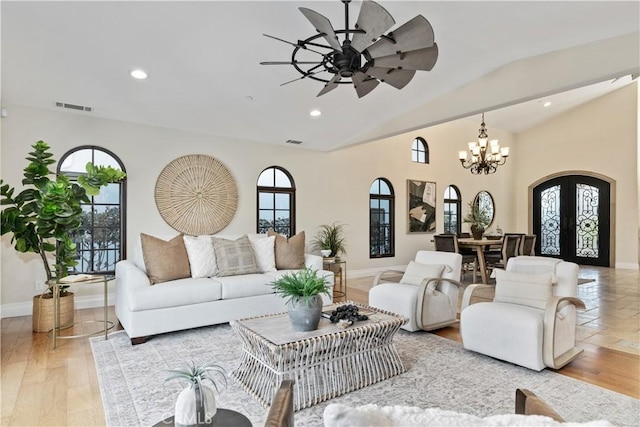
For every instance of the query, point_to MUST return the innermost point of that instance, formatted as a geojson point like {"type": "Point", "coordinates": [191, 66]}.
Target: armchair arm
{"type": "Point", "coordinates": [442, 311]}
{"type": "Point", "coordinates": [379, 276]}
{"type": "Point", "coordinates": [551, 317]}
{"type": "Point", "coordinates": [474, 291]}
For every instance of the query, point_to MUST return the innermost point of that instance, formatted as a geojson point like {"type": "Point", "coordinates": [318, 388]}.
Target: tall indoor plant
{"type": "Point", "coordinates": [478, 218]}
{"type": "Point", "coordinates": [330, 237]}
{"type": "Point", "coordinates": [43, 215]}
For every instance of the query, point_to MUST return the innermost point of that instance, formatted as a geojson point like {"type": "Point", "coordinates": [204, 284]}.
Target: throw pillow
{"type": "Point", "coordinates": [164, 260]}
{"type": "Point", "coordinates": [416, 272]}
{"type": "Point", "coordinates": [202, 257]}
{"type": "Point", "coordinates": [532, 290]}
{"type": "Point", "coordinates": [234, 257]}
{"type": "Point", "coordinates": [264, 251]}
{"type": "Point", "coordinates": [289, 252]}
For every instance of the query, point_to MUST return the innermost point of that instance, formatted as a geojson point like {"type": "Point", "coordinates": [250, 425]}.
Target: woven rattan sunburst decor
{"type": "Point", "coordinates": [196, 194]}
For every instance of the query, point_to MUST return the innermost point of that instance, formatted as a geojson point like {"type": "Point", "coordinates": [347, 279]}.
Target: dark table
{"type": "Point", "coordinates": [222, 418]}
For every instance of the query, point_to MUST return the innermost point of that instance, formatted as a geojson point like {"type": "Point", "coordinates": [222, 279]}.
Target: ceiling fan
{"type": "Point", "coordinates": [366, 56]}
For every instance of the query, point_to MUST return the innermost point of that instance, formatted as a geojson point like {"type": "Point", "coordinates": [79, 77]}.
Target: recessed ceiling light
{"type": "Point", "coordinates": [547, 104]}
{"type": "Point", "coordinates": [315, 113]}
{"type": "Point", "coordinates": [138, 74]}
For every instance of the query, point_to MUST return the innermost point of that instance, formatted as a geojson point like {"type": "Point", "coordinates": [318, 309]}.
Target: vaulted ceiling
{"type": "Point", "coordinates": [203, 60]}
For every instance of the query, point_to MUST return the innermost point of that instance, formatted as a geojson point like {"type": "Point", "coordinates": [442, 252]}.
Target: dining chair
{"type": "Point", "coordinates": [528, 245]}
{"type": "Point", "coordinates": [449, 243]}
{"type": "Point", "coordinates": [510, 248]}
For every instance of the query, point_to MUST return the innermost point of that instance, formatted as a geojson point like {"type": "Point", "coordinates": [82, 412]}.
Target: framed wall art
{"type": "Point", "coordinates": [421, 215]}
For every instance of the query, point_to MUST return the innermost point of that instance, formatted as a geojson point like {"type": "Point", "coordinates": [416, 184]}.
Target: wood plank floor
{"type": "Point", "coordinates": [45, 387]}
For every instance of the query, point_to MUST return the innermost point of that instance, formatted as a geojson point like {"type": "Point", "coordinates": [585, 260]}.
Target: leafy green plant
{"type": "Point", "coordinates": [300, 285]}
{"type": "Point", "coordinates": [196, 375]}
{"type": "Point", "coordinates": [330, 237]}
{"type": "Point", "coordinates": [477, 216]}
{"type": "Point", "coordinates": [43, 216]}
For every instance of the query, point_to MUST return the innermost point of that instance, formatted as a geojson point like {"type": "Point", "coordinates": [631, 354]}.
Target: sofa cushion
{"type": "Point", "coordinates": [289, 252]}
{"type": "Point", "coordinates": [176, 293]}
{"type": "Point", "coordinates": [416, 272]}
{"type": "Point", "coordinates": [245, 285]}
{"type": "Point", "coordinates": [264, 251]}
{"type": "Point", "coordinates": [235, 257]}
{"type": "Point", "coordinates": [202, 257]}
{"type": "Point", "coordinates": [165, 260]}
{"type": "Point", "coordinates": [533, 290]}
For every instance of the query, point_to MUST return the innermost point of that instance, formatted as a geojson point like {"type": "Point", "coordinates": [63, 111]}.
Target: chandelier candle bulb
{"type": "Point", "coordinates": [462, 155]}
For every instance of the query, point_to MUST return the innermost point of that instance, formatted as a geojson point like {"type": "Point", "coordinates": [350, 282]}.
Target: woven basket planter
{"type": "Point", "coordinates": [43, 312]}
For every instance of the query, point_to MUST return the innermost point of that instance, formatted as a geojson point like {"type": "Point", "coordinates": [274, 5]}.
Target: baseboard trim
{"type": "Point", "coordinates": [367, 272]}
{"type": "Point", "coordinates": [627, 266]}
{"type": "Point", "coordinates": [26, 308]}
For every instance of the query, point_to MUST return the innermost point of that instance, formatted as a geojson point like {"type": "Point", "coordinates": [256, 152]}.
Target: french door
{"type": "Point", "coordinates": [571, 216]}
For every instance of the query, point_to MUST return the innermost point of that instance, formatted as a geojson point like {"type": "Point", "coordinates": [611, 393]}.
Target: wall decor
{"type": "Point", "coordinates": [421, 197]}
{"type": "Point", "coordinates": [196, 194]}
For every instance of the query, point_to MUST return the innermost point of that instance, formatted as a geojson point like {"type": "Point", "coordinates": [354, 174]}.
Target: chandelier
{"type": "Point", "coordinates": [486, 155]}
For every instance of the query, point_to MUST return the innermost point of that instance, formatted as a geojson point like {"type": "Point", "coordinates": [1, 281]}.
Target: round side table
{"type": "Point", "coordinates": [223, 417]}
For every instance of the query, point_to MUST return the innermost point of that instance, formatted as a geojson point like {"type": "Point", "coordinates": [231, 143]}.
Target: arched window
{"type": "Point", "coordinates": [452, 210]}
{"type": "Point", "coordinates": [101, 238]}
{"type": "Point", "coordinates": [420, 151]}
{"type": "Point", "coordinates": [381, 219]}
{"type": "Point", "coordinates": [276, 201]}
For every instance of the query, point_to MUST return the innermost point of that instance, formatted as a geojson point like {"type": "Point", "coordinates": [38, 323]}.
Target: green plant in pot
{"type": "Point", "coordinates": [302, 290]}
{"type": "Point", "coordinates": [330, 237]}
{"type": "Point", "coordinates": [43, 216]}
{"type": "Point", "coordinates": [478, 218]}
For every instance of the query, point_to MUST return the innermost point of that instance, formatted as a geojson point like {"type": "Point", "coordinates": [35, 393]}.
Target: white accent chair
{"type": "Point", "coordinates": [531, 321]}
{"type": "Point", "coordinates": [427, 293]}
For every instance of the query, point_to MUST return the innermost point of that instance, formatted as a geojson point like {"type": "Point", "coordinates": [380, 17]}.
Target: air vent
{"type": "Point", "coordinates": [74, 106]}
{"type": "Point", "coordinates": [293, 141]}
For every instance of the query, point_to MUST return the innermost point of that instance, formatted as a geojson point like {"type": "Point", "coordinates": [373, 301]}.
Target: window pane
{"type": "Point", "coordinates": [266, 178]}
{"type": "Point", "coordinates": [282, 201]}
{"type": "Point", "coordinates": [282, 180]}
{"type": "Point", "coordinates": [416, 144]}
{"type": "Point", "coordinates": [265, 200]}
{"type": "Point", "coordinates": [421, 158]}
{"type": "Point", "coordinates": [76, 161]}
{"type": "Point", "coordinates": [414, 156]}
{"type": "Point", "coordinates": [266, 215]}
{"type": "Point", "coordinates": [375, 187]}
{"type": "Point", "coordinates": [109, 194]}
{"type": "Point", "coordinates": [384, 204]}
{"type": "Point", "coordinates": [104, 159]}
{"type": "Point", "coordinates": [384, 188]}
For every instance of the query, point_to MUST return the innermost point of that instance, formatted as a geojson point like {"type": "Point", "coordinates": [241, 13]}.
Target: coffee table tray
{"type": "Point", "coordinates": [324, 363]}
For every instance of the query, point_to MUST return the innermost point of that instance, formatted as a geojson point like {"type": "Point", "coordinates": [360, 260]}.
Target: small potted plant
{"type": "Point", "coordinates": [302, 290]}
{"type": "Point", "coordinates": [331, 238]}
{"type": "Point", "coordinates": [478, 218]}
{"type": "Point", "coordinates": [196, 404]}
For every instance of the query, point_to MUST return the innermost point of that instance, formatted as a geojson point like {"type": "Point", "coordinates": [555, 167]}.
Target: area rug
{"type": "Point", "coordinates": [440, 373]}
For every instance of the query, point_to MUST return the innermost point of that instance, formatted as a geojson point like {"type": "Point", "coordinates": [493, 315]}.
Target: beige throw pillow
{"type": "Point", "coordinates": [164, 260]}
{"type": "Point", "coordinates": [532, 290]}
{"type": "Point", "coordinates": [202, 258]}
{"type": "Point", "coordinates": [235, 257]}
{"type": "Point", "coordinates": [416, 272]}
{"type": "Point", "coordinates": [289, 252]}
{"type": "Point", "coordinates": [264, 251]}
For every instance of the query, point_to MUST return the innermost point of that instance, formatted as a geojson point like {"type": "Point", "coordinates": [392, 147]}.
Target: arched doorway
{"type": "Point", "coordinates": [572, 218]}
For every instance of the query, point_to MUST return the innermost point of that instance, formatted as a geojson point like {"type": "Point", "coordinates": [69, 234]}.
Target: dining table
{"type": "Point", "coordinates": [479, 246]}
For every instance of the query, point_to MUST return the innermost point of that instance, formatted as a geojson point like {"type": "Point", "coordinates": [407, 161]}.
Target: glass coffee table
{"type": "Point", "coordinates": [324, 363]}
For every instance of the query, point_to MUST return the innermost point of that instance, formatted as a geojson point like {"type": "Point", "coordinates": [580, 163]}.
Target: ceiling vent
{"type": "Point", "coordinates": [74, 106]}
{"type": "Point", "coordinates": [293, 141]}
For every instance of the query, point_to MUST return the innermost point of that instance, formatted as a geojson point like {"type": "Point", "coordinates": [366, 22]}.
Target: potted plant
{"type": "Point", "coordinates": [478, 218]}
{"type": "Point", "coordinates": [42, 217]}
{"type": "Point", "coordinates": [330, 237]}
{"type": "Point", "coordinates": [196, 403]}
{"type": "Point", "coordinates": [302, 290]}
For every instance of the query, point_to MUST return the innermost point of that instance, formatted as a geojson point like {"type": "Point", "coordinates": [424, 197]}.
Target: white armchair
{"type": "Point", "coordinates": [427, 293]}
{"type": "Point", "coordinates": [531, 321]}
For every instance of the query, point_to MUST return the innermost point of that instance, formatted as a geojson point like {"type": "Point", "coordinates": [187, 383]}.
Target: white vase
{"type": "Point", "coordinates": [187, 413]}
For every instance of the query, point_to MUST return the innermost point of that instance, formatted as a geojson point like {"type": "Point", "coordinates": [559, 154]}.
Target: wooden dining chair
{"type": "Point", "coordinates": [510, 248]}
{"type": "Point", "coordinates": [528, 245]}
{"type": "Point", "coordinates": [449, 243]}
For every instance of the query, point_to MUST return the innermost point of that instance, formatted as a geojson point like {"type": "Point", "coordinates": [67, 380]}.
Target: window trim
{"type": "Point", "coordinates": [123, 193]}
{"type": "Point", "coordinates": [277, 190]}
{"type": "Point", "coordinates": [392, 231]}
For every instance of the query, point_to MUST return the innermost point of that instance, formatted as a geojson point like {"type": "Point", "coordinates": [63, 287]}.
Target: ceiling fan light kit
{"type": "Point", "coordinates": [366, 56]}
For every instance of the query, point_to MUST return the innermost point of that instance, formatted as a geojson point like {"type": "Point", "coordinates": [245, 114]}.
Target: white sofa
{"type": "Point", "coordinates": [144, 309]}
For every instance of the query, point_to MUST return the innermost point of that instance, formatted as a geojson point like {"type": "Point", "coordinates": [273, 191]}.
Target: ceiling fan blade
{"type": "Point", "coordinates": [374, 20]}
{"type": "Point", "coordinates": [412, 35]}
{"type": "Point", "coordinates": [303, 77]}
{"type": "Point", "coordinates": [289, 62]}
{"type": "Point", "coordinates": [363, 83]}
{"type": "Point", "coordinates": [421, 59]}
{"type": "Point", "coordinates": [323, 26]}
{"type": "Point", "coordinates": [392, 76]}
{"type": "Point", "coordinates": [330, 85]}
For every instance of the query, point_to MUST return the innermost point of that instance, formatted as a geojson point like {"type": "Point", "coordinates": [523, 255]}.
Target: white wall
{"type": "Point", "coordinates": [599, 136]}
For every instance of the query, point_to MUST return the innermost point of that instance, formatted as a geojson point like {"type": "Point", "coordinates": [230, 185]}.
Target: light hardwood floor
{"type": "Point", "coordinates": [42, 386]}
